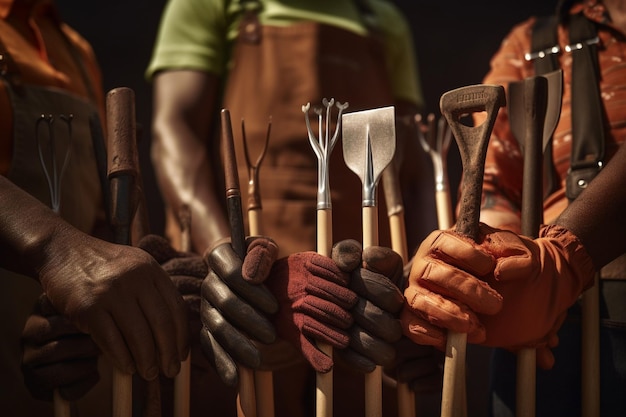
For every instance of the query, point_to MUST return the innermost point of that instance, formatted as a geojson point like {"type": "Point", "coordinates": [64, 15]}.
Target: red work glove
{"type": "Point", "coordinates": [236, 306]}
{"type": "Point", "coordinates": [506, 290]}
{"type": "Point", "coordinates": [375, 276]}
{"type": "Point", "coordinates": [314, 301]}
{"type": "Point", "coordinates": [57, 356]}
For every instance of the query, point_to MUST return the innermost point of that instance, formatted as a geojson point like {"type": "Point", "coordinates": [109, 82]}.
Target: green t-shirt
{"type": "Point", "coordinates": [198, 34]}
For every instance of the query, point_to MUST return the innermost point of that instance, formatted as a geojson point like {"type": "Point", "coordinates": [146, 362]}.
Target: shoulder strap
{"type": "Point", "coordinates": [588, 121]}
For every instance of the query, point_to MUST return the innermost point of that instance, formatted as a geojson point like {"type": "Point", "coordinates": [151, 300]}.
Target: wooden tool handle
{"type": "Point", "coordinates": [472, 143]}
{"type": "Point", "coordinates": [121, 127]}
{"type": "Point", "coordinates": [123, 169]}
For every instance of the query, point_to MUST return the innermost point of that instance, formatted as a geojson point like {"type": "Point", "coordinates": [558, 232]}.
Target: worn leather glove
{"type": "Point", "coordinates": [375, 276]}
{"type": "Point", "coordinates": [314, 305]}
{"type": "Point", "coordinates": [56, 355]}
{"type": "Point", "coordinates": [505, 290]}
{"type": "Point", "coordinates": [235, 306]}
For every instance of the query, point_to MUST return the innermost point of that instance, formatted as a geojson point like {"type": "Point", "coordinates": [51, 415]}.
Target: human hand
{"type": "Point", "coordinates": [376, 276]}
{"type": "Point", "coordinates": [314, 305]}
{"type": "Point", "coordinates": [235, 306]}
{"type": "Point", "coordinates": [121, 297]}
{"type": "Point", "coordinates": [56, 355]}
{"type": "Point", "coordinates": [505, 290]}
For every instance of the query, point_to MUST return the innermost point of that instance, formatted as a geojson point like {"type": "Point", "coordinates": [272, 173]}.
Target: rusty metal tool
{"type": "Point", "coordinates": [263, 380]}
{"type": "Point", "coordinates": [123, 172]}
{"type": "Point", "coordinates": [246, 400]}
{"type": "Point", "coordinates": [369, 144]}
{"type": "Point", "coordinates": [472, 143]}
{"type": "Point", "coordinates": [323, 146]}
{"type": "Point", "coordinates": [533, 117]}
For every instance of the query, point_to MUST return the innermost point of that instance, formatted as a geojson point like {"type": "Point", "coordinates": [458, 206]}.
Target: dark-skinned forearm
{"type": "Point", "coordinates": [29, 231]}
{"type": "Point", "coordinates": [596, 217]}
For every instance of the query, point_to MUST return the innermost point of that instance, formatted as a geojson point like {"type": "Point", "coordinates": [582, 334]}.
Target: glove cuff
{"type": "Point", "coordinates": [574, 252]}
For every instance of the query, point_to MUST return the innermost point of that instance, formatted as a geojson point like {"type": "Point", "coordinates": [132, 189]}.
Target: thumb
{"type": "Point", "coordinates": [260, 256]}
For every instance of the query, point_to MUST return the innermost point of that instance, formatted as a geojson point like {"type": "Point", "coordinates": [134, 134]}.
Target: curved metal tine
{"type": "Point", "coordinates": [323, 145]}
{"type": "Point", "coordinates": [253, 168]}
{"type": "Point", "coordinates": [53, 175]}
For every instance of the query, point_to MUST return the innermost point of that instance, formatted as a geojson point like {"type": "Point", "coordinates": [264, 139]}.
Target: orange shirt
{"type": "Point", "coordinates": [34, 37]}
{"type": "Point", "coordinates": [504, 165]}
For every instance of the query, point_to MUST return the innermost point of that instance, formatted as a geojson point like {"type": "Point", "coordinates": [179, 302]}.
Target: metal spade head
{"type": "Point", "coordinates": [518, 115]}
{"type": "Point", "coordinates": [369, 143]}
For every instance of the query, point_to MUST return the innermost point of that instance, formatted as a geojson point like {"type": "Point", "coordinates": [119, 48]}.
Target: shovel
{"type": "Point", "coordinates": [534, 109]}
{"type": "Point", "coordinates": [369, 143]}
{"type": "Point", "coordinates": [472, 143]}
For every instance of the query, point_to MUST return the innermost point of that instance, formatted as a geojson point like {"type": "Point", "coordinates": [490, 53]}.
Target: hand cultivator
{"type": "Point", "coordinates": [323, 146]}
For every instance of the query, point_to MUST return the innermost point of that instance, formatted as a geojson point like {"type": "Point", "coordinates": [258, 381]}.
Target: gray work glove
{"type": "Point", "coordinates": [235, 306]}
{"type": "Point", "coordinates": [375, 276]}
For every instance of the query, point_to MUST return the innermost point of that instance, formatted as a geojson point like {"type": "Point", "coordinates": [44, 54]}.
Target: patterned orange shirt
{"type": "Point", "coordinates": [502, 186]}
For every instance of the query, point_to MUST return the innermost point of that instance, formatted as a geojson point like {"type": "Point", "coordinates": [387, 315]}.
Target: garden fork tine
{"type": "Point", "coordinates": [254, 196]}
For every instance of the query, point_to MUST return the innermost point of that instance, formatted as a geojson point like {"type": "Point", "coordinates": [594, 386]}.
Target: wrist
{"type": "Point", "coordinates": [576, 257]}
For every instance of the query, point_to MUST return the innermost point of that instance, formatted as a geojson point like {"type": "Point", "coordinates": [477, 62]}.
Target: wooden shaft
{"type": "Point", "coordinates": [373, 380]}
{"type": "Point", "coordinates": [324, 382]}
{"type": "Point", "coordinates": [121, 396]}
{"type": "Point", "coordinates": [263, 380]}
{"type": "Point", "coordinates": [454, 371]}
{"type": "Point", "coordinates": [453, 374]}
{"type": "Point", "coordinates": [182, 381]}
{"type": "Point", "coordinates": [264, 384]}
{"type": "Point", "coordinates": [444, 209]}
{"type": "Point", "coordinates": [62, 407]}
{"type": "Point", "coordinates": [525, 385]}
{"type": "Point", "coordinates": [254, 219]}
{"type": "Point", "coordinates": [590, 372]}
{"type": "Point", "coordinates": [246, 398]}
{"type": "Point", "coordinates": [398, 235]}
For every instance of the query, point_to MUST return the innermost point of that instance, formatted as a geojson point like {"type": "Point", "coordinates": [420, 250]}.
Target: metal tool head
{"type": "Point", "coordinates": [435, 137]}
{"type": "Point", "coordinates": [369, 144]}
{"type": "Point", "coordinates": [472, 142]}
{"type": "Point", "coordinates": [518, 114]}
{"type": "Point", "coordinates": [323, 145]}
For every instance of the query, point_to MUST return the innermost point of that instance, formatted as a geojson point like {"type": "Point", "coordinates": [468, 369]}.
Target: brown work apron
{"type": "Point", "coordinates": [80, 201]}
{"type": "Point", "coordinates": [275, 71]}
{"type": "Point", "coordinates": [273, 75]}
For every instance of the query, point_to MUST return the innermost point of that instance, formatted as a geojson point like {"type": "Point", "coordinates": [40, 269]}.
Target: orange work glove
{"type": "Point", "coordinates": [504, 290]}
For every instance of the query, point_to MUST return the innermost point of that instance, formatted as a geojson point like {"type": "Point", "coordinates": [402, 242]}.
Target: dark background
{"type": "Point", "coordinates": [454, 41]}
